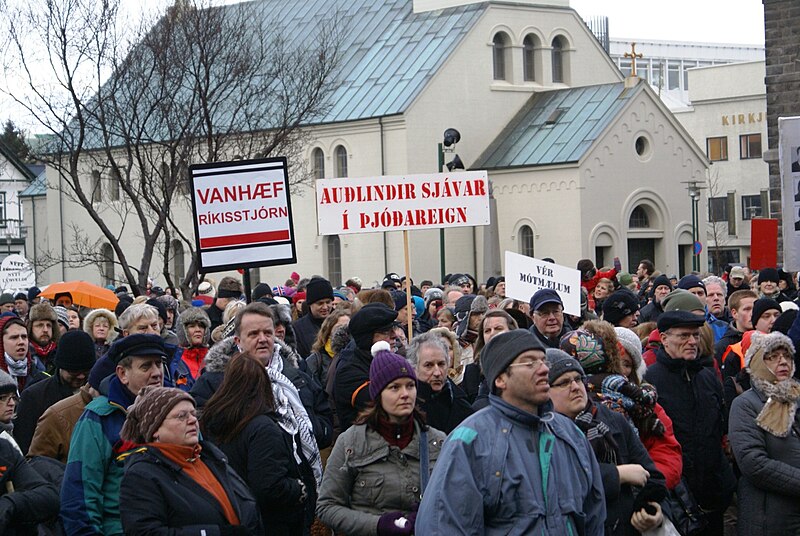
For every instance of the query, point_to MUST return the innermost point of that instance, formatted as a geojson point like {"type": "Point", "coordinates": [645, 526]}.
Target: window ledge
{"type": "Point", "coordinates": [498, 85]}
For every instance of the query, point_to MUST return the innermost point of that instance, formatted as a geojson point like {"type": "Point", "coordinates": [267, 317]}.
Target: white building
{"type": "Point", "coordinates": [505, 75]}
{"type": "Point", "coordinates": [15, 176]}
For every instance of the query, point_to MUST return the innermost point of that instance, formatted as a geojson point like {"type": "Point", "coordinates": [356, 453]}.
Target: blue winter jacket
{"type": "Point", "coordinates": [506, 471]}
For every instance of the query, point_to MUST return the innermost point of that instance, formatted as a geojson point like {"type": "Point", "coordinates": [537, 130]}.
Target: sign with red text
{"type": "Point", "coordinates": [525, 275]}
{"type": "Point", "coordinates": [242, 214]}
{"type": "Point", "coordinates": [402, 202]}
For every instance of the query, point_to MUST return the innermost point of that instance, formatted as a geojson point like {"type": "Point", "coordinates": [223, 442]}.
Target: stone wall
{"type": "Point", "coordinates": [782, 42]}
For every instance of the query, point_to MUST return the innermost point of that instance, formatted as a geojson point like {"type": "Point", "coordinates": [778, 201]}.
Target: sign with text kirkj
{"type": "Point", "coordinates": [403, 202]}
{"type": "Point", "coordinates": [526, 275]}
{"type": "Point", "coordinates": [242, 214]}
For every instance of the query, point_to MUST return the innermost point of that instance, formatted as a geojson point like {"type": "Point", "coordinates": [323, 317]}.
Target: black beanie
{"type": "Point", "coordinates": [504, 348]}
{"type": "Point", "coordinates": [619, 305]}
{"type": "Point", "coordinates": [75, 351]}
{"type": "Point", "coordinates": [261, 290]}
{"type": "Point", "coordinates": [659, 281]}
{"type": "Point", "coordinates": [369, 319]}
{"type": "Point", "coordinates": [318, 289]}
{"type": "Point", "coordinates": [785, 321]}
{"type": "Point", "coordinates": [162, 311]}
{"type": "Point", "coordinates": [768, 274]}
{"type": "Point", "coordinates": [762, 305]}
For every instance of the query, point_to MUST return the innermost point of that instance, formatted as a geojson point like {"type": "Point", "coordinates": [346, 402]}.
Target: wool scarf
{"type": "Point", "coordinates": [17, 369]}
{"type": "Point", "coordinates": [636, 402]}
{"type": "Point", "coordinates": [292, 416]}
{"type": "Point", "coordinates": [599, 435]}
{"type": "Point", "coordinates": [777, 415]}
{"type": "Point", "coordinates": [43, 351]}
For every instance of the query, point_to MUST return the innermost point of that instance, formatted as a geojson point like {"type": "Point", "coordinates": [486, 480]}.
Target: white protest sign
{"type": "Point", "coordinates": [242, 214]}
{"type": "Point", "coordinates": [789, 158]}
{"type": "Point", "coordinates": [403, 202]}
{"type": "Point", "coordinates": [16, 273]}
{"type": "Point", "coordinates": [525, 275]}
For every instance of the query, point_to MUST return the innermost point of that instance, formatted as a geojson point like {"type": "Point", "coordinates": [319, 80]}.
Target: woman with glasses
{"type": "Point", "coordinates": [764, 433]}
{"type": "Point", "coordinates": [9, 398]}
{"type": "Point", "coordinates": [174, 483]}
{"type": "Point", "coordinates": [634, 487]}
{"type": "Point", "coordinates": [262, 446]}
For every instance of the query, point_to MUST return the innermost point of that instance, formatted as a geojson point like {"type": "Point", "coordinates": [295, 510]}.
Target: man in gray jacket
{"type": "Point", "coordinates": [515, 467]}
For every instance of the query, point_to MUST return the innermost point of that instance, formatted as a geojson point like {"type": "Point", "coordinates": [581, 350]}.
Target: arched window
{"type": "Point", "coordinates": [341, 161]}
{"type": "Point", "coordinates": [558, 59]}
{"type": "Point", "coordinates": [639, 219]}
{"type": "Point", "coordinates": [107, 266]}
{"type": "Point", "coordinates": [97, 188]}
{"type": "Point", "coordinates": [528, 60]}
{"type": "Point", "coordinates": [525, 236]}
{"type": "Point", "coordinates": [334, 260]}
{"type": "Point", "coordinates": [114, 185]}
{"type": "Point", "coordinates": [318, 163]}
{"type": "Point", "coordinates": [183, 178]}
{"type": "Point", "coordinates": [499, 47]}
{"type": "Point", "coordinates": [178, 265]}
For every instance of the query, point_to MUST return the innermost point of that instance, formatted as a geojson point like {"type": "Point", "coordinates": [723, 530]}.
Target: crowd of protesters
{"type": "Point", "coordinates": [663, 404]}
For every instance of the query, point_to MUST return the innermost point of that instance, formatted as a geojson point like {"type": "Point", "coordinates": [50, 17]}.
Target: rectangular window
{"type": "Point", "coordinates": [718, 209]}
{"type": "Point", "coordinates": [718, 258]}
{"type": "Point", "coordinates": [656, 73]}
{"type": "Point", "coordinates": [673, 75]}
{"type": "Point", "coordinates": [3, 213]}
{"type": "Point", "coordinates": [749, 146]}
{"type": "Point", "coordinates": [717, 148]}
{"type": "Point", "coordinates": [751, 207]}
{"type": "Point", "coordinates": [625, 67]}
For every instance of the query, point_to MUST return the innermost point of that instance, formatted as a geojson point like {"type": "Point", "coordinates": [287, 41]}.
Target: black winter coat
{"type": "Point", "coordinates": [352, 371]}
{"type": "Point", "coordinates": [691, 394]}
{"type": "Point", "coordinates": [731, 336]}
{"type": "Point", "coordinates": [158, 498]}
{"type": "Point", "coordinates": [550, 343]}
{"type": "Point", "coordinates": [446, 409]}
{"type": "Point", "coordinates": [32, 404]}
{"type": "Point", "coordinates": [263, 455]}
{"type": "Point", "coordinates": [650, 312]}
{"type": "Point", "coordinates": [305, 332]}
{"type": "Point", "coordinates": [619, 497]}
{"type": "Point", "coordinates": [34, 500]}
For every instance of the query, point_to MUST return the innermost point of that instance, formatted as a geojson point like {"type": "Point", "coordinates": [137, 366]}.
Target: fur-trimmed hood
{"type": "Point", "coordinates": [111, 318]}
{"type": "Point", "coordinates": [192, 315]}
{"type": "Point", "coordinates": [218, 355]}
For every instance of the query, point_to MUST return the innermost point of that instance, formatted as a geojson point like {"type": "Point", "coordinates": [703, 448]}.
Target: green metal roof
{"type": "Point", "coordinates": [37, 187]}
{"type": "Point", "coordinates": [556, 127]}
{"type": "Point", "coordinates": [387, 54]}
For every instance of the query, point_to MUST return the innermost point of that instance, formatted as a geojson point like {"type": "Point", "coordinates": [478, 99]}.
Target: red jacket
{"type": "Point", "coordinates": [665, 450]}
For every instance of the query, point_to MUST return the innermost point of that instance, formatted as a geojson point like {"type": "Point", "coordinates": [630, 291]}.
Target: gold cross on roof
{"type": "Point", "coordinates": [633, 55]}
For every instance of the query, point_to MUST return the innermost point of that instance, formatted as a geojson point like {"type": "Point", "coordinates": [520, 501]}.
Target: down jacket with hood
{"type": "Point", "coordinates": [101, 347]}
{"type": "Point", "coordinates": [314, 398]}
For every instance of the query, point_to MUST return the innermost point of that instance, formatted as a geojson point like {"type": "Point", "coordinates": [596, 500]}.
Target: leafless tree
{"type": "Point", "coordinates": [130, 108]}
{"type": "Point", "coordinates": [716, 231]}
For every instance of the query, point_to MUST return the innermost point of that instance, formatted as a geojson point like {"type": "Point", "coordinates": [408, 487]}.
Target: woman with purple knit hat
{"type": "Point", "coordinates": [378, 469]}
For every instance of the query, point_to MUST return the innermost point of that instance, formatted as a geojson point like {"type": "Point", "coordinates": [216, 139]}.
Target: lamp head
{"type": "Point", "coordinates": [451, 137]}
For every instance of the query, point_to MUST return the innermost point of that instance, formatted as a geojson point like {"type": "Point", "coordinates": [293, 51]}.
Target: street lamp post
{"type": "Point", "coordinates": [694, 194]}
{"type": "Point", "coordinates": [448, 145]}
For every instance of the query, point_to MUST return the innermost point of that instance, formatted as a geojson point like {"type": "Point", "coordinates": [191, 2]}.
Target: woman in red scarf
{"type": "Point", "coordinates": [193, 331]}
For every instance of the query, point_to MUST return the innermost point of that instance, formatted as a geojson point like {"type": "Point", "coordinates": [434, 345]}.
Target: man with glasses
{"type": "Point", "coordinates": [691, 395]}
{"type": "Point", "coordinates": [90, 489]}
{"type": "Point", "coordinates": [547, 312]}
{"type": "Point", "coordinates": [75, 357]}
{"type": "Point", "coordinates": [624, 461]}
{"type": "Point", "coordinates": [515, 467]}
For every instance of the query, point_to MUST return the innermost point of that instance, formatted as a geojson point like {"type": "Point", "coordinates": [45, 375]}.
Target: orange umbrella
{"type": "Point", "coordinates": [83, 294]}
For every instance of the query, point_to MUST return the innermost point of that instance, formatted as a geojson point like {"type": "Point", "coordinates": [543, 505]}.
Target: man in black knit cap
{"type": "Point", "coordinates": [319, 299]}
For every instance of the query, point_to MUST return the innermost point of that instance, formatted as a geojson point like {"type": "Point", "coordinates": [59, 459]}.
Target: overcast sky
{"type": "Point", "coordinates": [707, 21]}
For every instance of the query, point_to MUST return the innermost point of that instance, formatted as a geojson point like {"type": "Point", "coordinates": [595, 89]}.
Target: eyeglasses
{"type": "Point", "coordinates": [777, 355]}
{"type": "Point", "coordinates": [556, 312]}
{"type": "Point", "coordinates": [184, 416]}
{"type": "Point", "coordinates": [683, 337]}
{"type": "Point", "coordinates": [532, 365]}
{"type": "Point", "coordinates": [567, 382]}
{"type": "Point", "coordinates": [5, 398]}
